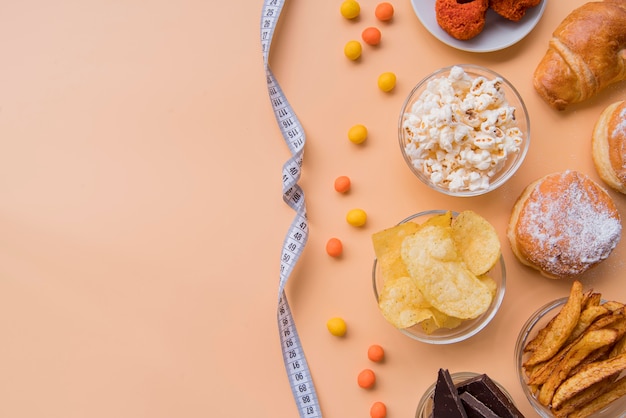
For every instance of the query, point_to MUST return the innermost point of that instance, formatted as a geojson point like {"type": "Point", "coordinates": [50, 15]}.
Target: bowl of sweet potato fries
{"type": "Point", "coordinates": [571, 356]}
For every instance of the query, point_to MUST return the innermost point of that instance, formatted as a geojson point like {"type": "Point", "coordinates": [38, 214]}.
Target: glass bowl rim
{"type": "Point", "coordinates": [493, 309]}
{"type": "Point", "coordinates": [502, 177]}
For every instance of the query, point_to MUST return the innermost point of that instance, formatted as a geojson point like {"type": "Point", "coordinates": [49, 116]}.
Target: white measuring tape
{"type": "Point", "coordinates": [295, 362]}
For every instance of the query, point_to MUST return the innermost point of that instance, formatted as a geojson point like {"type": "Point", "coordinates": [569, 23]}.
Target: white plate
{"type": "Point", "coordinates": [499, 33]}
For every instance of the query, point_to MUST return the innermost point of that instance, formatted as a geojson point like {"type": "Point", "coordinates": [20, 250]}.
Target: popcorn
{"type": "Point", "coordinates": [461, 131]}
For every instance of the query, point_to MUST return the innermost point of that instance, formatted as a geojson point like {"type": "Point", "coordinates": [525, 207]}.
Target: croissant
{"type": "Point", "coordinates": [587, 53]}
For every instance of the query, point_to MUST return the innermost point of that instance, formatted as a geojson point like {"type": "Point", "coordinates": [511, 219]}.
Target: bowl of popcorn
{"type": "Point", "coordinates": [439, 276]}
{"type": "Point", "coordinates": [464, 130]}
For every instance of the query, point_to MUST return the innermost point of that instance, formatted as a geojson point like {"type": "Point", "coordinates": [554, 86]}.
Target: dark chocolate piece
{"type": "Point", "coordinates": [486, 391]}
{"type": "Point", "coordinates": [475, 408]}
{"type": "Point", "coordinates": [446, 401]}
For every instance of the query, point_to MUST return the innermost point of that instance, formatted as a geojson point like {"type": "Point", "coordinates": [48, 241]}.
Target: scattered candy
{"type": "Point", "coordinates": [387, 81]}
{"type": "Point", "coordinates": [376, 353]}
{"type": "Point", "coordinates": [334, 247]}
{"type": "Point", "coordinates": [342, 184]}
{"type": "Point", "coordinates": [357, 134]}
{"type": "Point", "coordinates": [356, 217]}
{"type": "Point", "coordinates": [371, 35]}
{"type": "Point", "coordinates": [366, 379]}
{"type": "Point", "coordinates": [350, 9]}
{"type": "Point", "coordinates": [352, 50]}
{"type": "Point", "coordinates": [378, 410]}
{"type": "Point", "coordinates": [384, 11]}
{"type": "Point", "coordinates": [337, 327]}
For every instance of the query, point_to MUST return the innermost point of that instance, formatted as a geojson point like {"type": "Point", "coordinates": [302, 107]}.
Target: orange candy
{"type": "Point", "coordinates": [376, 353]}
{"type": "Point", "coordinates": [371, 35]}
{"type": "Point", "coordinates": [334, 247]}
{"type": "Point", "coordinates": [342, 184]}
{"type": "Point", "coordinates": [384, 11]}
{"type": "Point", "coordinates": [378, 410]}
{"type": "Point", "coordinates": [366, 379]}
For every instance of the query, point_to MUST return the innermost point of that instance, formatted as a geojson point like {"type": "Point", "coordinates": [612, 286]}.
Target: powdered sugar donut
{"type": "Point", "coordinates": [563, 224]}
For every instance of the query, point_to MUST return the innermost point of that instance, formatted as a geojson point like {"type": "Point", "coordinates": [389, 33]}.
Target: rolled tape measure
{"type": "Point", "coordinates": [295, 362]}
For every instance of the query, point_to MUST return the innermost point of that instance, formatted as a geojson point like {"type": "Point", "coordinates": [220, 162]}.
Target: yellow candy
{"type": "Point", "coordinates": [352, 50]}
{"type": "Point", "coordinates": [387, 81]}
{"type": "Point", "coordinates": [356, 217]}
{"type": "Point", "coordinates": [357, 134]}
{"type": "Point", "coordinates": [337, 327]}
{"type": "Point", "coordinates": [350, 9]}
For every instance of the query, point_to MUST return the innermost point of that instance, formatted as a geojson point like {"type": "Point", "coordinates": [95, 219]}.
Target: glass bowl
{"type": "Point", "coordinates": [463, 167]}
{"type": "Point", "coordinates": [425, 405]}
{"type": "Point", "coordinates": [467, 328]}
{"type": "Point", "coordinates": [537, 321]}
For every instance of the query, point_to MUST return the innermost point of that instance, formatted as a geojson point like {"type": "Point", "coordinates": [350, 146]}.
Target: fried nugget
{"type": "Point", "coordinates": [512, 9]}
{"type": "Point", "coordinates": [462, 20]}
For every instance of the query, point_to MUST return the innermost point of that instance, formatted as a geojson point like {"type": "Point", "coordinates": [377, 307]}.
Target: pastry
{"type": "Point", "coordinates": [512, 9]}
{"type": "Point", "coordinates": [461, 19]}
{"type": "Point", "coordinates": [609, 146]}
{"type": "Point", "coordinates": [563, 224]}
{"type": "Point", "coordinates": [587, 52]}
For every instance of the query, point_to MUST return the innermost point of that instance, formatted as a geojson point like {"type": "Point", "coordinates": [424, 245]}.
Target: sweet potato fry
{"type": "Point", "coordinates": [591, 299]}
{"type": "Point", "coordinates": [584, 397]}
{"type": "Point", "coordinates": [619, 347]}
{"type": "Point", "coordinates": [617, 390]}
{"type": "Point", "coordinates": [561, 328]}
{"type": "Point", "coordinates": [587, 317]}
{"type": "Point", "coordinates": [591, 374]}
{"type": "Point", "coordinates": [607, 320]}
{"type": "Point", "coordinates": [601, 353]}
{"type": "Point", "coordinates": [536, 341]}
{"type": "Point", "coordinates": [613, 305]}
{"type": "Point", "coordinates": [579, 351]}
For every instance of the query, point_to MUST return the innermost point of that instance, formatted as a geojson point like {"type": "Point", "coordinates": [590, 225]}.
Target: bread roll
{"type": "Point", "coordinates": [609, 146]}
{"type": "Point", "coordinates": [563, 224]}
{"type": "Point", "coordinates": [587, 52]}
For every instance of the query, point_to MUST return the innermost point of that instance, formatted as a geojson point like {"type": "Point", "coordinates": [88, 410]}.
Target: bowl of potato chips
{"type": "Point", "coordinates": [439, 276]}
{"type": "Point", "coordinates": [571, 356]}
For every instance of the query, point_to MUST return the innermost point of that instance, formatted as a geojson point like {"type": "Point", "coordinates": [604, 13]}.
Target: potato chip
{"type": "Point", "coordinates": [387, 245]}
{"type": "Point", "coordinates": [429, 325]}
{"type": "Point", "coordinates": [490, 283]}
{"type": "Point", "coordinates": [443, 219]}
{"type": "Point", "coordinates": [402, 303]}
{"type": "Point", "coordinates": [432, 261]}
{"type": "Point", "coordinates": [445, 321]}
{"type": "Point", "coordinates": [477, 241]}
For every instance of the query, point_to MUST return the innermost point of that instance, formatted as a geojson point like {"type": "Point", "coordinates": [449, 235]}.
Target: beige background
{"type": "Point", "coordinates": [141, 214]}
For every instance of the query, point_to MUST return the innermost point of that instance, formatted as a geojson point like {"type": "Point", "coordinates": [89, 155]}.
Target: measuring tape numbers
{"type": "Point", "coordinates": [295, 240]}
